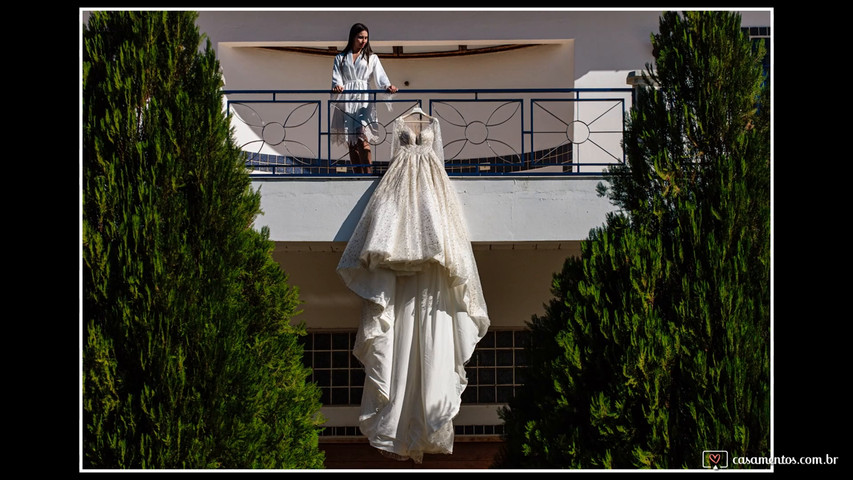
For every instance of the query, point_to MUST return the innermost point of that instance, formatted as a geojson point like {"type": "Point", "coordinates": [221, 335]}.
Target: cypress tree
{"type": "Point", "coordinates": [656, 345]}
{"type": "Point", "coordinates": [190, 359]}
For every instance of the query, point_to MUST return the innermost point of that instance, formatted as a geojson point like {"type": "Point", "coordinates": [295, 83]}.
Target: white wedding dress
{"type": "Point", "coordinates": [410, 258]}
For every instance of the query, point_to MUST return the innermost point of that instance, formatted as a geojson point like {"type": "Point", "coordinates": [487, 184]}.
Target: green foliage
{"type": "Point", "coordinates": [189, 357]}
{"type": "Point", "coordinates": [656, 346]}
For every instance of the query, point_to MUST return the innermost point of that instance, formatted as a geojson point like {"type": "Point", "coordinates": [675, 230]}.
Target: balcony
{"type": "Point", "coordinates": [485, 132]}
{"type": "Point", "coordinates": [525, 162]}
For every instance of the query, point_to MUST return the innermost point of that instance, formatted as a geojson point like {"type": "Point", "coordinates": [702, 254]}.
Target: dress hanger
{"type": "Point", "coordinates": [419, 111]}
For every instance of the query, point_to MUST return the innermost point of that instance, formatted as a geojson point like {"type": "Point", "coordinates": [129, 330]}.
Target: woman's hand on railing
{"type": "Point", "coordinates": [340, 88]}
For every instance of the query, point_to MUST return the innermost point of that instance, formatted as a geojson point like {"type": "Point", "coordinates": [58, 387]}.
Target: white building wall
{"type": "Point", "coordinates": [497, 209]}
{"type": "Point", "coordinates": [257, 68]}
{"type": "Point", "coordinates": [607, 43]}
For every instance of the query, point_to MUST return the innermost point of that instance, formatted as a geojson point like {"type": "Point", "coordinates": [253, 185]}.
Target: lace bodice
{"type": "Point", "coordinates": [409, 137]}
{"type": "Point", "coordinates": [417, 137]}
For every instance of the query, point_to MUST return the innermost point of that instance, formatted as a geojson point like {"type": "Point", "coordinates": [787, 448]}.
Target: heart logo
{"type": "Point", "coordinates": [714, 457]}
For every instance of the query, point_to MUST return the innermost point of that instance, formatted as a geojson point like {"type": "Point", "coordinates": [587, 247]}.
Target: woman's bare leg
{"type": "Point", "coordinates": [366, 156]}
{"type": "Point", "coordinates": [355, 157]}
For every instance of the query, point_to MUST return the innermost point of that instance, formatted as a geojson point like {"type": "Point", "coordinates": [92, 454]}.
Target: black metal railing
{"type": "Point", "coordinates": [484, 131]}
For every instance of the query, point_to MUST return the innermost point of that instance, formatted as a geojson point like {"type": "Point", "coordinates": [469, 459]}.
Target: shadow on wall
{"type": "Point", "coordinates": [345, 232]}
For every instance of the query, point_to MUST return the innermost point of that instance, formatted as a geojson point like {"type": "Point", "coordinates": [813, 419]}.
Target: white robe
{"type": "Point", "coordinates": [353, 115]}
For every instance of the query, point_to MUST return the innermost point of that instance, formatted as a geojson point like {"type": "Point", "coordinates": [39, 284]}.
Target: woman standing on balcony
{"type": "Point", "coordinates": [354, 115]}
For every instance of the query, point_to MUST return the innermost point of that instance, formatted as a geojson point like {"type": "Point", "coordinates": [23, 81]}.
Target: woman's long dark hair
{"type": "Point", "coordinates": [353, 32]}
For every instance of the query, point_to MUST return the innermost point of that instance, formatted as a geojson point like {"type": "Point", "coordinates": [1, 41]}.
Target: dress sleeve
{"type": "Point", "coordinates": [437, 144]}
{"type": "Point", "coordinates": [395, 137]}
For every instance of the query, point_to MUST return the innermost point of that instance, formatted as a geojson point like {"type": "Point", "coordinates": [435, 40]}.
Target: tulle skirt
{"type": "Point", "coordinates": [410, 259]}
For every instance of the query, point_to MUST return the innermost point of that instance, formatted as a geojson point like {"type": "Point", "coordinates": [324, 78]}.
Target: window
{"type": "Point", "coordinates": [336, 371]}
{"type": "Point", "coordinates": [495, 371]}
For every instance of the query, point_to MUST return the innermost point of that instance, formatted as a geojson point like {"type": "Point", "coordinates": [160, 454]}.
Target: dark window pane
{"type": "Point", "coordinates": [325, 396]}
{"type": "Point", "coordinates": [504, 394]}
{"type": "Point", "coordinates": [488, 341]}
{"type": "Point", "coordinates": [486, 376]}
{"type": "Point", "coordinates": [340, 396]}
{"type": "Point", "coordinates": [340, 341]}
{"type": "Point", "coordinates": [469, 395]}
{"type": "Point", "coordinates": [503, 339]}
{"type": "Point", "coordinates": [340, 359]}
{"type": "Point", "coordinates": [519, 375]}
{"type": "Point", "coordinates": [322, 377]}
{"type": "Point", "coordinates": [322, 341]}
{"type": "Point", "coordinates": [504, 376]}
{"type": "Point", "coordinates": [340, 378]}
{"type": "Point", "coordinates": [322, 360]}
{"type": "Point", "coordinates": [355, 395]}
{"type": "Point", "coordinates": [504, 357]}
{"type": "Point", "coordinates": [356, 377]}
{"type": "Point", "coordinates": [471, 373]}
{"type": "Point", "coordinates": [486, 358]}
{"type": "Point", "coordinates": [486, 394]}
{"type": "Point", "coordinates": [520, 358]}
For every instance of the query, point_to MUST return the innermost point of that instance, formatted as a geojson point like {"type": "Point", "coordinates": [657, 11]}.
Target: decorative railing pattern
{"type": "Point", "coordinates": [484, 132]}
